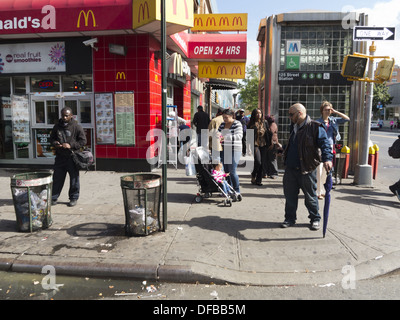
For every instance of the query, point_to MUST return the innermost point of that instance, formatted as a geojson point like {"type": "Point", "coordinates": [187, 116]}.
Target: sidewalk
{"type": "Point", "coordinates": [207, 242]}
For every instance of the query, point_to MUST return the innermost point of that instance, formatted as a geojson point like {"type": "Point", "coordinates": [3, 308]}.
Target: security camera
{"type": "Point", "coordinates": [91, 42]}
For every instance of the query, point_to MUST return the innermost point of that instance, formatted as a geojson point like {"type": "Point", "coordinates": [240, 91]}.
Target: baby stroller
{"type": "Point", "coordinates": [207, 184]}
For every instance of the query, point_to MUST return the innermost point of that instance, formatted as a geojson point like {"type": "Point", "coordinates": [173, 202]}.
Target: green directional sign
{"type": "Point", "coordinates": [292, 62]}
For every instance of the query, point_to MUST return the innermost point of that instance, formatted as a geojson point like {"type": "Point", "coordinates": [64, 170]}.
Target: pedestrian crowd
{"type": "Point", "coordinates": [308, 155]}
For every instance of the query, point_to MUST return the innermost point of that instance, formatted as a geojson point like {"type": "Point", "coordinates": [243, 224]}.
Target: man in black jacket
{"type": "Point", "coordinates": [308, 146]}
{"type": "Point", "coordinates": [67, 136]}
{"type": "Point", "coordinates": [201, 120]}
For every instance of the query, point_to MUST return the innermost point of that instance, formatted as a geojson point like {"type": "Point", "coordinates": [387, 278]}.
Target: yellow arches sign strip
{"type": "Point", "coordinates": [222, 70]}
{"type": "Point", "coordinates": [220, 22]}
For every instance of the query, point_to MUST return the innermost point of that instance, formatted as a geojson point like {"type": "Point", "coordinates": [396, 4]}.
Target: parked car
{"type": "Point", "coordinates": [375, 125]}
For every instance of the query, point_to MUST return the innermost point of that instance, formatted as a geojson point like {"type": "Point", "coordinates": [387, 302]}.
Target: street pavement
{"type": "Point", "coordinates": [207, 242]}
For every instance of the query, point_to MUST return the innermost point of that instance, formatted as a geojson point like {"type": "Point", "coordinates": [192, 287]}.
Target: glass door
{"type": "Point", "coordinates": [83, 113]}
{"type": "Point", "coordinates": [46, 113]}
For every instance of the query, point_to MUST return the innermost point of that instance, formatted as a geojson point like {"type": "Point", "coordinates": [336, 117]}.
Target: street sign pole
{"type": "Point", "coordinates": [363, 171]}
{"type": "Point", "coordinates": [164, 111]}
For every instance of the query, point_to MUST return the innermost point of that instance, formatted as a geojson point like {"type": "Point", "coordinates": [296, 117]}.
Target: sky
{"type": "Point", "coordinates": [381, 13]}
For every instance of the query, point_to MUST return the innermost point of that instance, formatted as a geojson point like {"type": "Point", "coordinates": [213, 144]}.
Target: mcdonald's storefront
{"type": "Point", "coordinates": [87, 56]}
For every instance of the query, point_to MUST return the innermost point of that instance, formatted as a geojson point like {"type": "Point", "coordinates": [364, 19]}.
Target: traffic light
{"type": "Point", "coordinates": [384, 70]}
{"type": "Point", "coordinates": [354, 66]}
{"type": "Point", "coordinates": [80, 85]}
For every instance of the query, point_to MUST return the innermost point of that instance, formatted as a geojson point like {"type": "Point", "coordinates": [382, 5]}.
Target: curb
{"type": "Point", "coordinates": [206, 274]}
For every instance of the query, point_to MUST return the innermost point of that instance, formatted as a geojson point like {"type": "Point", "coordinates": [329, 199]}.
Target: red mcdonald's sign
{"type": "Point", "coordinates": [46, 16]}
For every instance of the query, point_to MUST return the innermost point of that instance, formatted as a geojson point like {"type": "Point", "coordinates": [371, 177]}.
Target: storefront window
{"type": "Point", "coordinates": [73, 105]}
{"type": "Point", "coordinates": [85, 111]}
{"type": "Point", "coordinates": [45, 83]}
{"type": "Point", "coordinates": [52, 111]}
{"type": "Point", "coordinates": [39, 111]}
{"type": "Point", "coordinates": [19, 85]}
{"type": "Point", "coordinates": [6, 145]}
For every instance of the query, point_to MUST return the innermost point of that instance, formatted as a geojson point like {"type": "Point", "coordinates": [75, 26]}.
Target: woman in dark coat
{"type": "Point", "coordinates": [262, 140]}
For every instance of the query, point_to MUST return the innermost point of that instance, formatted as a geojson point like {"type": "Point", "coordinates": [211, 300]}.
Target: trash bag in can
{"type": "Point", "coordinates": [142, 196]}
{"type": "Point", "coordinates": [31, 194]}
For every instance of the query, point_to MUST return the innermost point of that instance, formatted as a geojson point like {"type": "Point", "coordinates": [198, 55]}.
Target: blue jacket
{"type": "Point", "coordinates": [333, 130]}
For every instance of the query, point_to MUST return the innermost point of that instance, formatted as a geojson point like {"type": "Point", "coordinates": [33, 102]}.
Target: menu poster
{"type": "Point", "coordinates": [20, 119]}
{"type": "Point", "coordinates": [125, 118]}
{"type": "Point", "coordinates": [105, 133]}
{"type": "Point", "coordinates": [43, 145]}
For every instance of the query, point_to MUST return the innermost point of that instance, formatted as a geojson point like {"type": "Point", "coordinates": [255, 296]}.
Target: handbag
{"type": "Point", "coordinates": [190, 168]}
{"type": "Point", "coordinates": [82, 159]}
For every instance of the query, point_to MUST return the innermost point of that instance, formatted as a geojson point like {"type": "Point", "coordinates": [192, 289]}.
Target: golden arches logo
{"type": "Point", "coordinates": [224, 21]}
{"type": "Point", "coordinates": [198, 22]}
{"type": "Point", "coordinates": [142, 8]}
{"type": "Point", "coordinates": [210, 22]}
{"type": "Point", "coordinates": [86, 18]}
{"type": "Point", "coordinates": [236, 69]}
{"type": "Point", "coordinates": [120, 76]}
{"type": "Point", "coordinates": [206, 70]}
{"type": "Point", "coordinates": [175, 6]}
{"type": "Point", "coordinates": [221, 70]}
{"type": "Point", "coordinates": [237, 20]}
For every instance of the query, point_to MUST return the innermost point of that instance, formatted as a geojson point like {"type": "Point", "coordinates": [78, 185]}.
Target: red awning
{"type": "Point", "coordinates": [59, 17]}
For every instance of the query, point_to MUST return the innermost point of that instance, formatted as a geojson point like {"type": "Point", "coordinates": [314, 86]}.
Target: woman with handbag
{"type": "Point", "coordinates": [67, 135]}
{"type": "Point", "coordinates": [262, 140]}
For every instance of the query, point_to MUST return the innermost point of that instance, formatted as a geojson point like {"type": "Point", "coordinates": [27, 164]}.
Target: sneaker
{"type": "Point", "coordinates": [53, 202]}
{"type": "Point", "coordinates": [315, 225]}
{"type": "Point", "coordinates": [287, 224]}
{"type": "Point", "coordinates": [393, 189]}
{"type": "Point", "coordinates": [72, 203]}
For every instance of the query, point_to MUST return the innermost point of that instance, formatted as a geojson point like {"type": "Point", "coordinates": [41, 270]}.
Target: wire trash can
{"type": "Point", "coordinates": [31, 193]}
{"type": "Point", "coordinates": [142, 196]}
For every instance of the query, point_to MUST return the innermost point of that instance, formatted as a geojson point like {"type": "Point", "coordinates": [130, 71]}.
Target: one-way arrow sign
{"type": "Point", "coordinates": [374, 33]}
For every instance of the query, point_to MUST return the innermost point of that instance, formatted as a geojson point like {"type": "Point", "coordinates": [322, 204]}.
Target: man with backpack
{"type": "Point", "coordinates": [394, 152]}
{"type": "Point", "coordinates": [66, 137]}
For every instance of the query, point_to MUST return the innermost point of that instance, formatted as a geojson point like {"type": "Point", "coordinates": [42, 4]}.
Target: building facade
{"type": "Point", "coordinates": [301, 56]}
{"type": "Point", "coordinates": [395, 75]}
{"type": "Point", "coordinates": [392, 111]}
{"type": "Point", "coordinates": [102, 59]}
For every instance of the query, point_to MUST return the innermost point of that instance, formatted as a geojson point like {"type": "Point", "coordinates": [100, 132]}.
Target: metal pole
{"type": "Point", "coordinates": [363, 174]}
{"type": "Point", "coordinates": [164, 111]}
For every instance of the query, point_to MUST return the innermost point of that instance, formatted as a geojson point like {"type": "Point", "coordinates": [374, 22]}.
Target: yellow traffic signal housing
{"type": "Point", "coordinates": [354, 66]}
{"type": "Point", "coordinates": [384, 70]}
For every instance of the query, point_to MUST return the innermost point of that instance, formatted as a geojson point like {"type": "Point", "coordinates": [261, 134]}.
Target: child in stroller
{"type": "Point", "coordinates": [219, 176]}
{"type": "Point", "coordinates": [208, 185]}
